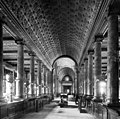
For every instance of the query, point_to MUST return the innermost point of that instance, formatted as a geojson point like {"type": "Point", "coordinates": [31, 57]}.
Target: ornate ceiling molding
{"type": "Point", "coordinates": [100, 18]}
{"type": "Point", "coordinates": [53, 28]}
{"type": "Point", "coordinates": [14, 24]}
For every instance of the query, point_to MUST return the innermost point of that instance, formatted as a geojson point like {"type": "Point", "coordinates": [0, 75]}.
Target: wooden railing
{"type": "Point", "coordinates": [15, 110]}
{"type": "Point", "coordinates": [98, 109]}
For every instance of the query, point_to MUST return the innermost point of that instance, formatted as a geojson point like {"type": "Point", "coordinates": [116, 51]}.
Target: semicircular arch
{"type": "Point", "coordinates": [66, 71]}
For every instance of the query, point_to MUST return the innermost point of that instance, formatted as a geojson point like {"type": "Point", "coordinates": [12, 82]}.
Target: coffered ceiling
{"type": "Point", "coordinates": [51, 28]}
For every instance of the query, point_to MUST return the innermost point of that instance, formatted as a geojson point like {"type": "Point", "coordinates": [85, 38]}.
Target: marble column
{"type": "Point", "coordinates": [90, 73]}
{"type": "Point", "coordinates": [32, 74]}
{"type": "Point", "coordinates": [113, 59]}
{"type": "Point", "coordinates": [97, 66]}
{"type": "Point", "coordinates": [39, 77]}
{"type": "Point", "coordinates": [78, 80]}
{"type": "Point", "coordinates": [85, 75]}
{"type": "Point", "coordinates": [1, 61]}
{"type": "Point", "coordinates": [49, 82]}
{"type": "Point", "coordinates": [82, 79]}
{"type": "Point", "coordinates": [56, 82]}
{"type": "Point", "coordinates": [44, 79]}
{"type": "Point", "coordinates": [51, 74]}
{"type": "Point", "coordinates": [20, 69]}
{"type": "Point", "coordinates": [53, 78]}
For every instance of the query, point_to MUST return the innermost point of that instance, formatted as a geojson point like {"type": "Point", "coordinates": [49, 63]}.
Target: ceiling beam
{"type": "Point", "coordinates": [14, 51]}
{"type": "Point", "coordinates": [14, 59]}
{"type": "Point", "coordinates": [8, 38]}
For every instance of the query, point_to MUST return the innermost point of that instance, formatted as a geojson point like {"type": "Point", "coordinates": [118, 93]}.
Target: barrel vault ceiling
{"type": "Point", "coordinates": [51, 28]}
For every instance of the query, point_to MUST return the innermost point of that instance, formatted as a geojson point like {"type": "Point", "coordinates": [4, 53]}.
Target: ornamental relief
{"type": "Point", "coordinates": [51, 24]}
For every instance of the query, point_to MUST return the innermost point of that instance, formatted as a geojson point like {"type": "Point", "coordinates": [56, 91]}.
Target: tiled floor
{"type": "Point", "coordinates": [53, 111]}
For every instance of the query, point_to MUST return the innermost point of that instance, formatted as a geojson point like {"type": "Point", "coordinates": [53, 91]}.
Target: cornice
{"type": "Point", "coordinates": [96, 26]}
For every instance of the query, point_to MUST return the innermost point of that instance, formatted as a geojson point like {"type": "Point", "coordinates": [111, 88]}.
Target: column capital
{"type": "Point", "coordinates": [38, 61]}
{"type": "Point", "coordinates": [90, 52]}
{"type": "Point", "coordinates": [3, 19]}
{"type": "Point", "coordinates": [20, 41]}
{"type": "Point", "coordinates": [78, 71]}
{"type": "Point", "coordinates": [85, 59]}
{"type": "Point", "coordinates": [44, 67]}
{"type": "Point", "coordinates": [99, 37]}
{"type": "Point", "coordinates": [114, 9]}
{"type": "Point", "coordinates": [82, 65]}
{"type": "Point", "coordinates": [31, 53]}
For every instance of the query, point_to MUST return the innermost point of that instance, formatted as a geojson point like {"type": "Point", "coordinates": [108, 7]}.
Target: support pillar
{"type": "Point", "coordinates": [1, 61]}
{"type": "Point", "coordinates": [32, 79]}
{"type": "Point", "coordinates": [113, 59]}
{"type": "Point", "coordinates": [20, 69]}
{"type": "Point", "coordinates": [42, 78]}
{"type": "Point", "coordinates": [90, 73]}
{"type": "Point", "coordinates": [82, 79]}
{"type": "Point", "coordinates": [44, 67]}
{"type": "Point", "coordinates": [39, 78]}
{"type": "Point", "coordinates": [85, 75]}
{"type": "Point", "coordinates": [78, 81]}
{"type": "Point", "coordinates": [47, 80]}
{"type": "Point", "coordinates": [97, 67]}
{"type": "Point", "coordinates": [52, 81]}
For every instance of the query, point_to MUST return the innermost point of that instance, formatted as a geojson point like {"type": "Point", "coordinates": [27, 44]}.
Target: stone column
{"type": "Point", "coordinates": [113, 58]}
{"type": "Point", "coordinates": [56, 82]}
{"type": "Point", "coordinates": [54, 88]}
{"type": "Point", "coordinates": [97, 66]}
{"type": "Point", "coordinates": [39, 78]}
{"type": "Point", "coordinates": [85, 75]}
{"type": "Point", "coordinates": [61, 86]}
{"type": "Point", "coordinates": [51, 73]}
{"type": "Point", "coordinates": [82, 79]}
{"type": "Point", "coordinates": [44, 79]}
{"type": "Point", "coordinates": [90, 73]}
{"type": "Point", "coordinates": [20, 69]}
{"type": "Point", "coordinates": [32, 74]}
{"type": "Point", "coordinates": [49, 82]}
{"type": "Point", "coordinates": [1, 61]}
{"type": "Point", "coordinates": [74, 85]}
{"type": "Point", "coordinates": [78, 80]}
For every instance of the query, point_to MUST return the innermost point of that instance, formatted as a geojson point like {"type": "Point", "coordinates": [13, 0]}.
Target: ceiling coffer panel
{"type": "Point", "coordinates": [53, 25]}
{"type": "Point", "coordinates": [66, 71]}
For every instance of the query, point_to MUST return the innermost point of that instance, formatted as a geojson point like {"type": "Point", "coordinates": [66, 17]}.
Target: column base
{"type": "Point", "coordinates": [16, 98]}
{"type": "Point", "coordinates": [3, 100]}
{"type": "Point", "coordinates": [111, 102]}
{"type": "Point", "coordinates": [31, 95]}
{"type": "Point", "coordinates": [97, 99]}
{"type": "Point", "coordinates": [89, 97]}
{"type": "Point", "coordinates": [114, 104]}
